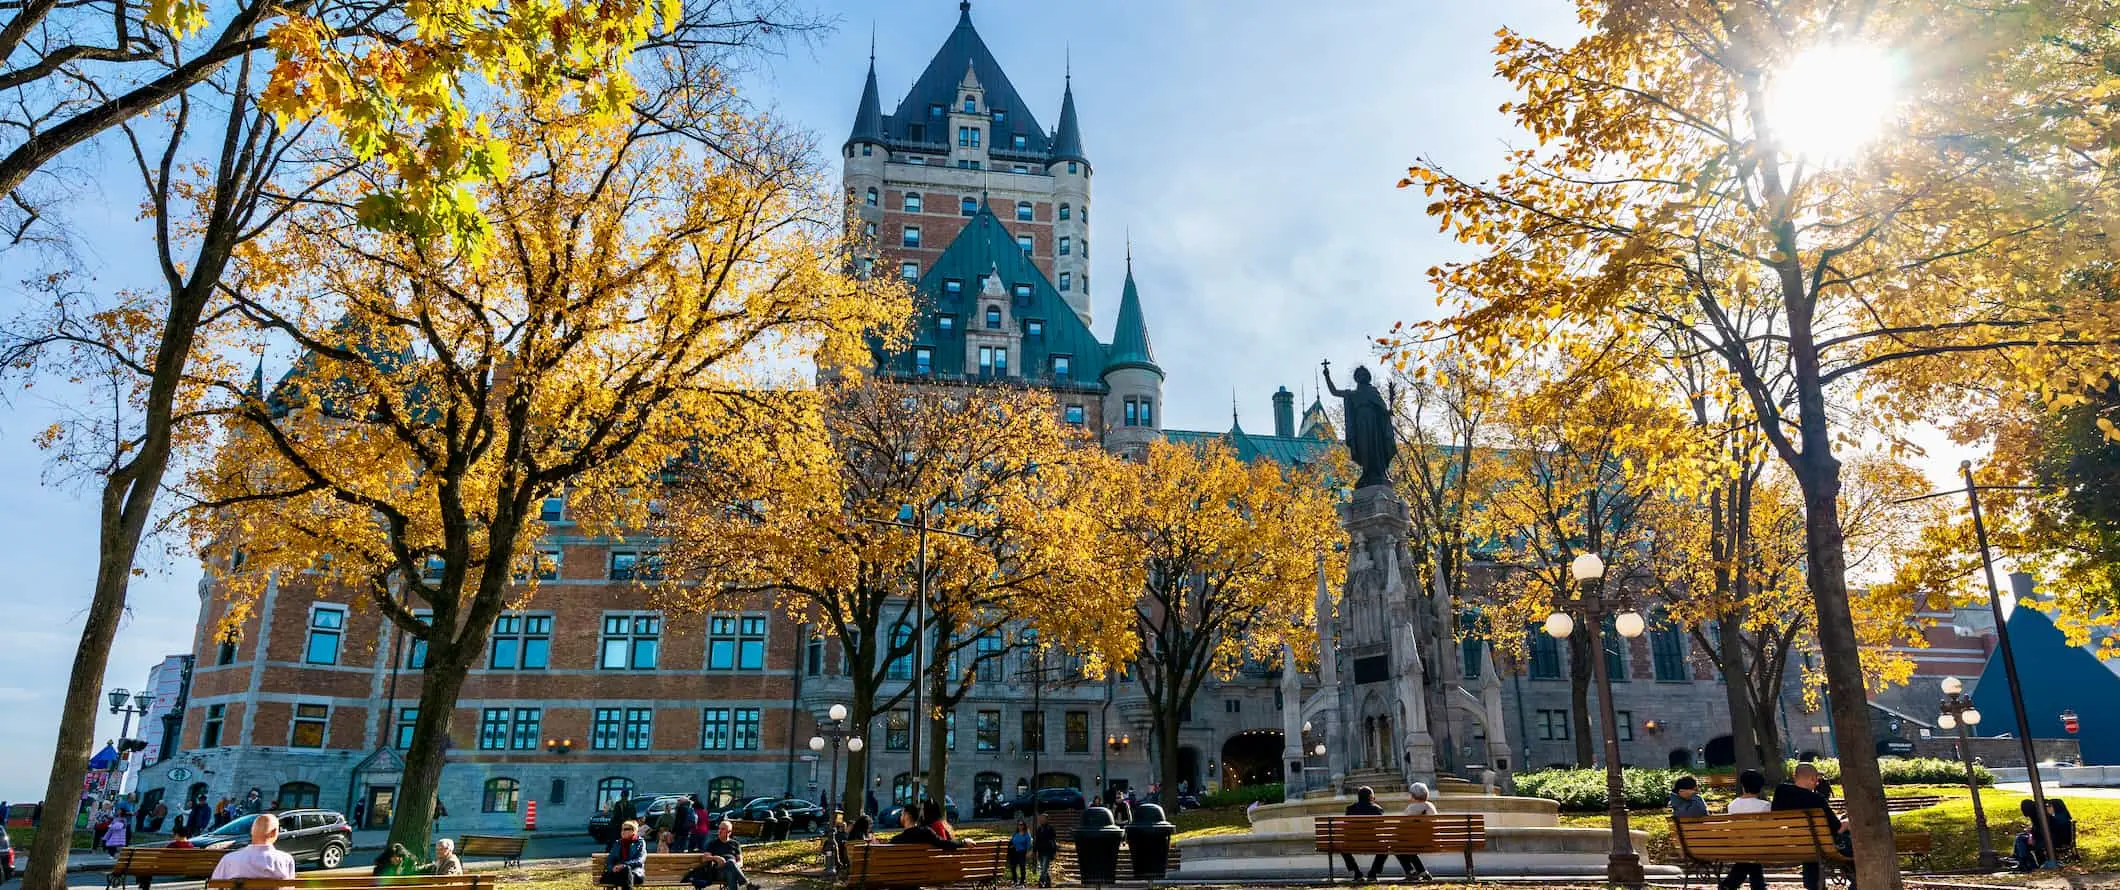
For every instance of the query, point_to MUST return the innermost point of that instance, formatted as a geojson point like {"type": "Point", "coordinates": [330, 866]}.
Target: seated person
{"type": "Point", "coordinates": [721, 863]}
{"type": "Point", "coordinates": [912, 832]}
{"type": "Point", "coordinates": [1801, 792]}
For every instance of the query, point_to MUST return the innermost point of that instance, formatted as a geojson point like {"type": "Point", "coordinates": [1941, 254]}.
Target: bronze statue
{"type": "Point", "coordinates": [1370, 438]}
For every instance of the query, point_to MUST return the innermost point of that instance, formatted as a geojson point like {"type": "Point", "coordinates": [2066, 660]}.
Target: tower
{"type": "Point", "coordinates": [1070, 174]}
{"type": "Point", "coordinates": [1132, 412]}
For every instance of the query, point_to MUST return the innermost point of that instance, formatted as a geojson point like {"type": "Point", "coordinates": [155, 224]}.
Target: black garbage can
{"type": "Point", "coordinates": [1097, 847]}
{"type": "Point", "coordinates": [1149, 839]}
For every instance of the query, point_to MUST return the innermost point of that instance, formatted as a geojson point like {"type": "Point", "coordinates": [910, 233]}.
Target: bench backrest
{"type": "Point", "coordinates": [657, 868]}
{"type": "Point", "coordinates": [1458, 831]}
{"type": "Point", "coordinates": [490, 845]}
{"type": "Point", "coordinates": [357, 882]}
{"type": "Point", "coordinates": [746, 828]}
{"type": "Point", "coordinates": [920, 865]}
{"type": "Point", "coordinates": [1788, 837]}
{"type": "Point", "coordinates": [166, 862]}
{"type": "Point", "coordinates": [1374, 834]}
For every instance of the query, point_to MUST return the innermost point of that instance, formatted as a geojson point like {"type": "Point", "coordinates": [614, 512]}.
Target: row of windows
{"type": "Point", "coordinates": [519, 729]}
{"type": "Point", "coordinates": [1667, 646]}
{"type": "Point", "coordinates": [1553, 725]}
{"type": "Point", "coordinates": [993, 362]}
{"type": "Point", "coordinates": [986, 731]}
{"type": "Point", "coordinates": [503, 794]}
{"type": "Point", "coordinates": [622, 566]}
{"type": "Point", "coordinates": [523, 641]}
{"type": "Point", "coordinates": [1140, 411]}
{"type": "Point", "coordinates": [914, 202]}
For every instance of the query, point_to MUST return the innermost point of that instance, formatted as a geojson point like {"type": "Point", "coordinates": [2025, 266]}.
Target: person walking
{"type": "Point", "coordinates": [1751, 787]}
{"type": "Point", "coordinates": [626, 862]}
{"type": "Point", "coordinates": [259, 860]}
{"type": "Point", "coordinates": [687, 829]}
{"type": "Point", "coordinates": [1045, 844]}
{"type": "Point", "coordinates": [115, 835]}
{"type": "Point", "coordinates": [1019, 855]}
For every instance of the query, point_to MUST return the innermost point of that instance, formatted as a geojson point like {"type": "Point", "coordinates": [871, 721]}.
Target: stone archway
{"type": "Point", "coordinates": [1252, 757]}
{"type": "Point", "coordinates": [1720, 751]}
{"type": "Point", "coordinates": [1188, 767]}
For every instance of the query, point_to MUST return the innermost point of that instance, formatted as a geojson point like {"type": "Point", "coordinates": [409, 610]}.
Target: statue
{"type": "Point", "coordinates": [1370, 438]}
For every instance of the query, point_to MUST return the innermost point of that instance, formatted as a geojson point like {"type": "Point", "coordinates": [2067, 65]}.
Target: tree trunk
{"type": "Point", "coordinates": [1167, 742]}
{"type": "Point", "coordinates": [938, 765]}
{"type": "Point", "coordinates": [1744, 728]}
{"type": "Point", "coordinates": [1579, 699]}
{"type": "Point", "coordinates": [1732, 521]}
{"type": "Point", "coordinates": [854, 786]}
{"type": "Point", "coordinates": [440, 684]}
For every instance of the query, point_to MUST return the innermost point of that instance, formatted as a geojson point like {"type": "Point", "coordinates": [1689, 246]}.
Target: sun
{"type": "Point", "coordinates": [1829, 102]}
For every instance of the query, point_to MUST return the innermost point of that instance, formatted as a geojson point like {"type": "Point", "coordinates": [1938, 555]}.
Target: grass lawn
{"type": "Point", "coordinates": [26, 836]}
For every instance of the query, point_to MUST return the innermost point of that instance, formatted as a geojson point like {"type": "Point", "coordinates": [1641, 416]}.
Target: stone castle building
{"type": "Point", "coordinates": [588, 692]}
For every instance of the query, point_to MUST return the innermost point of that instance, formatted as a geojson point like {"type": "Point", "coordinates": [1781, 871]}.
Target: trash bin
{"type": "Point", "coordinates": [1097, 847]}
{"type": "Point", "coordinates": [1149, 839]}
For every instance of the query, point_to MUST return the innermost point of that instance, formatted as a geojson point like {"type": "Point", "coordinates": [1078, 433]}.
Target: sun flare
{"type": "Point", "coordinates": [1829, 102]}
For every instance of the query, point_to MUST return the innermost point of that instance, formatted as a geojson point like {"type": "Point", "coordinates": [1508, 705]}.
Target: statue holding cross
{"type": "Point", "coordinates": [1371, 441]}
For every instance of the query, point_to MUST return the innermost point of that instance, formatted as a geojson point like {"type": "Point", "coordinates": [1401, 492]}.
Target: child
{"type": "Point", "coordinates": [662, 841]}
{"type": "Point", "coordinates": [1685, 798]}
{"type": "Point", "coordinates": [114, 836]}
{"type": "Point", "coordinates": [1019, 854]}
{"type": "Point", "coordinates": [180, 839]}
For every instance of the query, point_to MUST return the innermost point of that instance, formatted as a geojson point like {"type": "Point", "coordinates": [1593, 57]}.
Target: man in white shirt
{"type": "Point", "coordinates": [259, 860]}
{"type": "Point", "coordinates": [1750, 785]}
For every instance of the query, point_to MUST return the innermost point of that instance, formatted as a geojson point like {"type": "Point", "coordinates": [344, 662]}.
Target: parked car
{"type": "Point", "coordinates": [318, 836]}
{"type": "Point", "coordinates": [603, 832]}
{"type": "Point", "coordinates": [1046, 799]}
{"type": "Point", "coordinates": [804, 814]}
{"type": "Point", "coordinates": [1186, 800]}
{"type": "Point", "coordinates": [7, 855]}
{"type": "Point", "coordinates": [887, 821]}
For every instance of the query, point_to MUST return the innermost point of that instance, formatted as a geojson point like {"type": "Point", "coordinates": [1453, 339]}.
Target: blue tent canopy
{"type": "Point", "coordinates": [104, 759]}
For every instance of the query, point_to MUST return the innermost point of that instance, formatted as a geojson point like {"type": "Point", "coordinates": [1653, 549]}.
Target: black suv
{"type": "Point", "coordinates": [319, 836]}
{"type": "Point", "coordinates": [648, 808]}
{"type": "Point", "coordinates": [803, 814]}
{"type": "Point", "coordinates": [1047, 799]}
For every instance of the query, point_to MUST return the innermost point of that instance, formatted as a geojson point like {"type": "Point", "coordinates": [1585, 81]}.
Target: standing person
{"type": "Point", "coordinates": [200, 819]}
{"type": "Point", "coordinates": [222, 812]}
{"type": "Point", "coordinates": [1045, 844]}
{"type": "Point", "coordinates": [1122, 813]}
{"type": "Point", "coordinates": [1801, 793]}
{"type": "Point", "coordinates": [626, 862]}
{"type": "Point", "coordinates": [686, 822]}
{"type": "Point", "coordinates": [1751, 786]}
{"type": "Point", "coordinates": [873, 808]}
{"type": "Point", "coordinates": [115, 836]}
{"type": "Point", "coordinates": [253, 803]}
{"type": "Point", "coordinates": [259, 860]}
{"type": "Point", "coordinates": [1685, 798]}
{"type": "Point", "coordinates": [439, 812]}
{"type": "Point", "coordinates": [702, 825]}
{"type": "Point", "coordinates": [1019, 855]}
{"type": "Point", "coordinates": [622, 810]}
{"type": "Point", "coordinates": [1364, 805]}
{"type": "Point", "coordinates": [36, 815]}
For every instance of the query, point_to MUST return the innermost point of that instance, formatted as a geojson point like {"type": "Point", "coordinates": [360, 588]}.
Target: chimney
{"type": "Point", "coordinates": [1284, 413]}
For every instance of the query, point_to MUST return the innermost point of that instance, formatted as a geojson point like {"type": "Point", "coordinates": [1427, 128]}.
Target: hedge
{"type": "Point", "coordinates": [1243, 795]}
{"type": "Point", "coordinates": [1583, 790]}
{"type": "Point", "coordinates": [1910, 771]}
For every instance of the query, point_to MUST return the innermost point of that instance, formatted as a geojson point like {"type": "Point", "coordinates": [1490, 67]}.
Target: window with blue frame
{"type": "Point", "coordinates": [1545, 655]}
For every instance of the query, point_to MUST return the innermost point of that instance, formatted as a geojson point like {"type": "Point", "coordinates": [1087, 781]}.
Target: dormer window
{"type": "Point", "coordinates": [953, 286]}
{"type": "Point", "coordinates": [1022, 292]}
{"type": "Point", "coordinates": [1021, 143]}
{"type": "Point", "coordinates": [969, 206]}
{"type": "Point", "coordinates": [971, 104]}
{"type": "Point", "coordinates": [946, 323]}
{"type": "Point", "coordinates": [923, 360]}
{"type": "Point", "coordinates": [935, 110]}
{"type": "Point", "coordinates": [1000, 116]}
{"type": "Point", "coordinates": [1062, 364]}
{"type": "Point", "coordinates": [911, 204]}
{"type": "Point", "coordinates": [993, 318]}
{"type": "Point", "coordinates": [1034, 328]}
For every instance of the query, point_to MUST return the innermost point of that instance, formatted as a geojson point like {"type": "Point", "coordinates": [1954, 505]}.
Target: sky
{"type": "Point", "coordinates": [1249, 150]}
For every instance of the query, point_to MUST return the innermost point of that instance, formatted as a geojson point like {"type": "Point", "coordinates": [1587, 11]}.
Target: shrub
{"type": "Point", "coordinates": [1583, 790]}
{"type": "Point", "coordinates": [1243, 795]}
{"type": "Point", "coordinates": [1910, 771]}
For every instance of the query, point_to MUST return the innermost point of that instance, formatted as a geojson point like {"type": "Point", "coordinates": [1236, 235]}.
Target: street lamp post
{"type": "Point", "coordinates": [1624, 867]}
{"type": "Point", "coordinates": [835, 728]}
{"type": "Point", "coordinates": [141, 702]}
{"type": "Point", "coordinates": [916, 520]}
{"type": "Point", "coordinates": [1956, 711]}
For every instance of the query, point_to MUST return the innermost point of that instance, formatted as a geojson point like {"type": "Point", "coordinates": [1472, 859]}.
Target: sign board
{"type": "Point", "coordinates": [1895, 747]}
{"type": "Point", "coordinates": [179, 774]}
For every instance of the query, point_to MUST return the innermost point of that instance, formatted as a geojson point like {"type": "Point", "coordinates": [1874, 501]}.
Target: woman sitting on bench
{"type": "Point", "coordinates": [626, 863]}
{"type": "Point", "coordinates": [912, 832]}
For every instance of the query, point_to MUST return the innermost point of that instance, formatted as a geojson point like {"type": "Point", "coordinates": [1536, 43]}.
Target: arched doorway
{"type": "Point", "coordinates": [1252, 757]}
{"type": "Point", "coordinates": [1681, 758]}
{"type": "Point", "coordinates": [1720, 751]}
{"type": "Point", "coordinates": [1189, 766]}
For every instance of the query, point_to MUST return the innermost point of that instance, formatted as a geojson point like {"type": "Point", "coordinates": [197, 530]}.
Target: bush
{"type": "Point", "coordinates": [1243, 795]}
{"type": "Point", "coordinates": [1583, 790]}
{"type": "Point", "coordinates": [1910, 771]}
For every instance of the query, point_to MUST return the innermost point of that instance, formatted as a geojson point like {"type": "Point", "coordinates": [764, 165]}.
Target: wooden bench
{"type": "Point", "coordinates": [1708, 844]}
{"type": "Point", "coordinates": [358, 882]}
{"type": "Point", "coordinates": [658, 869]}
{"type": "Point", "coordinates": [162, 862]}
{"type": "Point", "coordinates": [746, 828]}
{"type": "Point", "coordinates": [1721, 781]}
{"type": "Point", "coordinates": [1396, 835]}
{"type": "Point", "coordinates": [508, 848]}
{"type": "Point", "coordinates": [919, 865]}
{"type": "Point", "coordinates": [1893, 805]}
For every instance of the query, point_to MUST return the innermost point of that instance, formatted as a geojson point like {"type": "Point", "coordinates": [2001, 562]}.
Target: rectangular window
{"type": "Point", "coordinates": [923, 360]}
{"type": "Point", "coordinates": [407, 719]}
{"type": "Point", "coordinates": [548, 564]}
{"type": "Point", "coordinates": [1072, 167]}
{"type": "Point", "coordinates": [225, 653]}
{"type": "Point", "coordinates": [1623, 721]}
{"type": "Point", "coordinates": [917, 135]}
{"type": "Point", "coordinates": [631, 642]}
{"type": "Point", "coordinates": [552, 510]}
{"type": "Point", "coordinates": [1033, 730]}
{"type": "Point", "coordinates": [606, 729]}
{"type": "Point", "coordinates": [909, 270]}
{"type": "Point", "coordinates": [520, 643]}
{"type": "Point", "coordinates": [945, 323]}
{"type": "Point", "coordinates": [528, 722]}
{"type": "Point", "coordinates": [309, 723]}
{"type": "Point", "coordinates": [640, 726]}
{"type": "Point", "coordinates": [651, 563]}
{"type": "Point", "coordinates": [714, 729]}
{"type": "Point", "coordinates": [624, 566]}
{"type": "Point", "coordinates": [1133, 413]}
{"type": "Point", "coordinates": [1026, 242]}
{"type": "Point", "coordinates": [1066, 245]}
{"type": "Point", "coordinates": [898, 730]}
{"type": "Point", "coordinates": [1019, 142]}
{"type": "Point", "coordinates": [988, 730]}
{"type": "Point", "coordinates": [1545, 655]}
{"type": "Point", "coordinates": [493, 729]}
{"type": "Point", "coordinates": [988, 649]}
{"type": "Point", "coordinates": [1022, 291]}
{"type": "Point", "coordinates": [1469, 656]}
{"type": "Point", "coordinates": [1067, 281]}
{"type": "Point", "coordinates": [910, 238]}
{"type": "Point", "coordinates": [1024, 212]}
{"type": "Point", "coordinates": [934, 109]}
{"type": "Point", "coordinates": [813, 657]}
{"type": "Point", "coordinates": [964, 136]}
{"type": "Point", "coordinates": [1000, 116]}
{"type": "Point", "coordinates": [210, 731]}
{"type": "Point", "coordinates": [326, 624]}
{"type": "Point", "coordinates": [1063, 366]}
{"type": "Point", "coordinates": [1001, 361]}
{"type": "Point", "coordinates": [986, 361]}
{"type": "Point", "coordinates": [1148, 412]}
{"type": "Point", "coordinates": [1232, 706]}
{"type": "Point", "coordinates": [1077, 732]}
{"type": "Point", "coordinates": [1074, 414]}
{"type": "Point", "coordinates": [1553, 725]}
{"type": "Point", "coordinates": [1668, 645]}
{"type": "Point", "coordinates": [953, 286]}
{"type": "Point", "coordinates": [745, 736]}
{"type": "Point", "coordinates": [993, 318]}
{"type": "Point", "coordinates": [736, 642]}
{"type": "Point", "coordinates": [751, 643]}
{"type": "Point", "coordinates": [1034, 328]}
{"type": "Point", "coordinates": [911, 202]}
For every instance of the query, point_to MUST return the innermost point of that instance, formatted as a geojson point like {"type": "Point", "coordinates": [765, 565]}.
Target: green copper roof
{"type": "Point", "coordinates": [1067, 141]}
{"type": "Point", "coordinates": [868, 119]}
{"type": "Point", "coordinates": [1130, 347]}
{"type": "Point", "coordinates": [1284, 450]}
{"type": "Point", "coordinates": [937, 86]}
{"type": "Point", "coordinates": [986, 246]}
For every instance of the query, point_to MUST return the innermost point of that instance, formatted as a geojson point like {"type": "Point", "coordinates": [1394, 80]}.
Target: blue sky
{"type": "Point", "coordinates": [1249, 147]}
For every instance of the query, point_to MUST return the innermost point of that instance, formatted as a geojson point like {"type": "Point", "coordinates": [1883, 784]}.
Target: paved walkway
{"type": "Point", "coordinates": [2053, 790]}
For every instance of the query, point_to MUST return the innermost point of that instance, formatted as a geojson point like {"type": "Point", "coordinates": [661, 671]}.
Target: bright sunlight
{"type": "Point", "coordinates": [1832, 100]}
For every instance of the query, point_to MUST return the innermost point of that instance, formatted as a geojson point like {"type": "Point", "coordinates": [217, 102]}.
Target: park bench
{"type": "Point", "coordinates": [657, 870]}
{"type": "Point", "coordinates": [1709, 844]}
{"type": "Point", "coordinates": [162, 862]}
{"type": "Point", "coordinates": [1893, 805]}
{"type": "Point", "coordinates": [358, 882]}
{"type": "Point", "coordinates": [919, 865]}
{"type": "Point", "coordinates": [507, 848]}
{"type": "Point", "coordinates": [746, 828]}
{"type": "Point", "coordinates": [1396, 835]}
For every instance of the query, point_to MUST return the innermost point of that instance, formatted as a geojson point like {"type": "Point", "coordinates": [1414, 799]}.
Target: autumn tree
{"type": "Point", "coordinates": [635, 295]}
{"type": "Point", "coordinates": [1692, 169]}
{"type": "Point", "coordinates": [1220, 560]}
{"type": "Point", "coordinates": [828, 525]}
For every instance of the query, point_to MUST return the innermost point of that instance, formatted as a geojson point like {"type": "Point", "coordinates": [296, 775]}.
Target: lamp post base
{"type": "Point", "coordinates": [1625, 870]}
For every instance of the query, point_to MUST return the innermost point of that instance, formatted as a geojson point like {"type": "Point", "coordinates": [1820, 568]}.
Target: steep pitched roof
{"type": "Point", "coordinates": [1284, 450]}
{"type": "Point", "coordinates": [1067, 141]}
{"type": "Point", "coordinates": [868, 119]}
{"type": "Point", "coordinates": [1130, 347]}
{"type": "Point", "coordinates": [937, 86]}
{"type": "Point", "coordinates": [986, 245]}
{"type": "Point", "coordinates": [2055, 677]}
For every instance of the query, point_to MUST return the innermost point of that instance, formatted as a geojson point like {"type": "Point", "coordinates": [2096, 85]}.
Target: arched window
{"type": "Point", "coordinates": [500, 796]}
{"type": "Point", "coordinates": [1066, 212]}
{"type": "Point", "coordinates": [911, 204]}
{"type": "Point", "coordinates": [969, 206]}
{"type": "Point", "coordinates": [724, 790]}
{"type": "Point", "coordinates": [987, 796]}
{"type": "Point", "coordinates": [295, 795]}
{"type": "Point", "coordinates": [872, 197]}
{"type": "Point", "coordinates": [1024, 210]}
{"type": "Point", "coordinates": [608, 791]}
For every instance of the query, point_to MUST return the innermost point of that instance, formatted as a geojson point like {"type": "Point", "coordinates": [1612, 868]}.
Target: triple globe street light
{"type": "Point", "coordinates": [1624, 866]}
{"type": "Point", "coordinates": [835, 729]}
{"type": "Point", "coordinates": [1956, 711]}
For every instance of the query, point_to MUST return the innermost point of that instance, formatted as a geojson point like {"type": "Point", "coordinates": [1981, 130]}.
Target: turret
{"type": "Point", "coordinates": [1070, 173]}
{"type": "Point", "coordinates": [1133, 408]}
{"type": "Point", "coordinates": [865, 155]}
{"type": "Point", "coordinates": [868, 119]}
